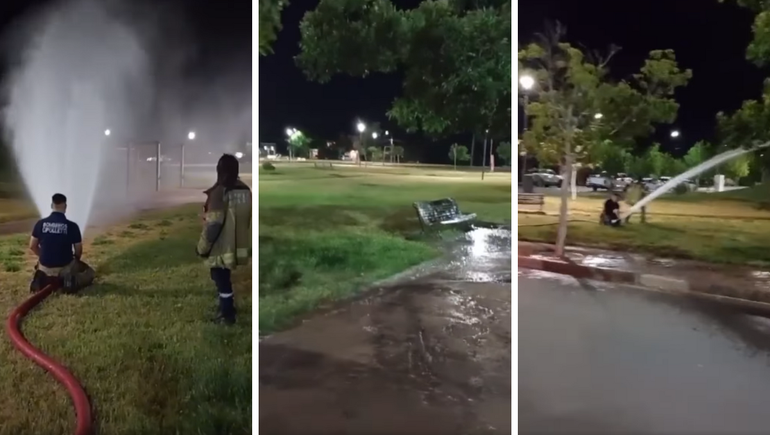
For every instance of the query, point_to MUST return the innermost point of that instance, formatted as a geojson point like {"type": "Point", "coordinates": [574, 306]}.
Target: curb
{"type": "Point", "coordinates": [650, 282]}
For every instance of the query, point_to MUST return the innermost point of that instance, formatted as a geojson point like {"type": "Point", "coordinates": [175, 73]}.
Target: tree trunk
{"type": "Point", "coordinates": [573, 183]}
{"type": "Point", "coordinates": [561, 235]}
{"type": "Point", "coordinates": [473, 148]}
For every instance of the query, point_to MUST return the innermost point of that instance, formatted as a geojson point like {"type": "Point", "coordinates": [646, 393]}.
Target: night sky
{"type": "Point", "coordinates": [708, 37]}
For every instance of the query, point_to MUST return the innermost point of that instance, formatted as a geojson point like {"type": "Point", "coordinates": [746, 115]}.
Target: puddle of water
{"type": "Point", "coordinates": [605, 261]}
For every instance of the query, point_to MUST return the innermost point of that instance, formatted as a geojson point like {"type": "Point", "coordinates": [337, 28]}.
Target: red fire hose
{"type": "Point", "coordinates": [75, 390]}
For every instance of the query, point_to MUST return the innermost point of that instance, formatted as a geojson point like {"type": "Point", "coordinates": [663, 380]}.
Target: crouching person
{"type": "Point", "coordinates": [58, 244]}
{"type": "Point", "coordinates": [611, 212]}
{"type": "Point", "coordinates": [225, 242]}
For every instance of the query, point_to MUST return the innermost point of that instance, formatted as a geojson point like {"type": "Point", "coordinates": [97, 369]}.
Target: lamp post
{"type": "Point", "coordinates": [527, 83]}
{"type": "Point", "coordinates": [484, 155]}
{"type": "Point", "coordinates": [190, 136]}
{"type": "Point", "coordinates": [361, 128]}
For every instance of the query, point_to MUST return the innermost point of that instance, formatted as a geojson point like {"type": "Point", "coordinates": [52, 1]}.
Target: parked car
{"type": "Point", "coordinates": [651, 184]}
{"type": "Point", "coordinates": [545, 178]}
{"type": "Point", "coordinates": [605, 182]}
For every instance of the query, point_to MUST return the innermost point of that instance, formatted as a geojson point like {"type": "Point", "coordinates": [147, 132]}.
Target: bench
{"type": "Point", "coordinates": [441, 212]}
{"type": "Point", "coordinates": [537, 199]}
{"type": "Point", "coordinates": [322, 165]}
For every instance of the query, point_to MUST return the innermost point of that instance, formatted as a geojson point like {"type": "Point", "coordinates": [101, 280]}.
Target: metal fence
{"type": "Point", "coordinates": [141, 168]}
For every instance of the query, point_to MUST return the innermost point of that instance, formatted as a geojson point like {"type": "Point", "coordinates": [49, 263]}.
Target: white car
{"type": "Point", "coordinates": [605, 182]}
{"type": "Point", "coordinates": [545, 178]}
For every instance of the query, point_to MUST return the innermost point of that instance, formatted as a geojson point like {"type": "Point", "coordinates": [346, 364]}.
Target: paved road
{"type": "Point", "coordinates": [600, 360]}
{"type": "Point", "coordinates": [425, 356]}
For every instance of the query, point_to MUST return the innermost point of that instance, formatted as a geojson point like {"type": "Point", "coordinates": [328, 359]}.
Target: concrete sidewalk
{"type": "Point", "coordinates": [664, 274]}
{"type": "Point", "coordinates": [428, 353]}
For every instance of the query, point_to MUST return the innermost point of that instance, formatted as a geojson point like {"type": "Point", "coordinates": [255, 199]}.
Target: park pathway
{"type": "Point", "coordinates": [428, 354]}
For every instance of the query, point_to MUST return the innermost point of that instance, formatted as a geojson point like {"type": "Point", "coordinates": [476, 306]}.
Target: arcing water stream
{"type": "Point", "coordinates": [705, 166]}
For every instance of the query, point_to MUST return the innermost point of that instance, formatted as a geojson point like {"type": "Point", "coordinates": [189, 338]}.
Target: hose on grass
{"type": "Point", "coordinates": [59, 372]}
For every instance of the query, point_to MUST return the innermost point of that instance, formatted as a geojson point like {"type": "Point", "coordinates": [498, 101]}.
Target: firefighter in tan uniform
{"type": "Point", "coordinates": [225, 242]}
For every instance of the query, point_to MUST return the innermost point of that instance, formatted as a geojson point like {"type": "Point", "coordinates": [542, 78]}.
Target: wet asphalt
{"type": "Point", "coordinates": [595, 359]}
{"type": "Point", "coordinates": [427, 354]}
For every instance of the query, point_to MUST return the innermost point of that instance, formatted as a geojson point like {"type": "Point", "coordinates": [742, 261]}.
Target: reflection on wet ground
{"type": "Point", "coordinates": [429, 354]}
{"type": "Point", "coordinates": [624, 361]}
{"type": "Point", "coordinates": [693, 271]}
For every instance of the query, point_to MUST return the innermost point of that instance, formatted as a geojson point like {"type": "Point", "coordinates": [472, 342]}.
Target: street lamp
{"type": "Point", "coordinates": [526, 82]}
{"type": "Point", "coordinates": [361, 127]}
{"type": "Point", "coordinates": [107, 132]}
{"type": "Point", "coordinates": [374, 135]}
{"type": "Point", "coordinates": [598, 116]}
{"type": "Point", "coordinates": [191, 135]}
{"type": "Point", "coordinates": [675, 133]}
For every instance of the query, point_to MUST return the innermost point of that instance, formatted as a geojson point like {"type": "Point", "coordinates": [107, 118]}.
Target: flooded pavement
{"type": "Point", "coordinates": [596, 358]}
{"type": "Point", "coordinates": [430, 354]}
{"type": "Point", "coordinates": [718, 275]}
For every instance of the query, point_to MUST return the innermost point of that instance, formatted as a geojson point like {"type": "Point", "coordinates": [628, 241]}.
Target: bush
{"type": "Point", "coordinates": [267, 166]}
{"type": "Point", "coordinates": [681, 189]}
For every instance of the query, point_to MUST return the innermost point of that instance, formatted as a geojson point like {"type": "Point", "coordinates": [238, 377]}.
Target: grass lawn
{"type": "Point", "coordinates": [324, 234]}
{"type": "Point", "coordinates": [731, 227]}
{"type": "Point", "coordinates": [138, 340]}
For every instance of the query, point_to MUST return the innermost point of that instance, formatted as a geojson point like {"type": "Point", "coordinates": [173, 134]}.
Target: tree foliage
{"type": "Point", "coordinates": [398, 152]}
{"type": "Point", "coordinates": [738, 167]}
{"type": "Point", "coordinates": [298, 142]}
{"type": "Point", "coordinates": [577, 104]}
{"type": "Point", "coordinates": [504, 152]}
{"type": "Point", "coordinates": [455, 57]}
{"type": "Point", "coordinates": [610, 157]}
{"type": "Point", "coordinates": [748, 125]}
{"type": "Point", "coordinates": [459, 153]}
{"type": "Point", "coordinates": [697, 154]}
{"type": "Point", "coordinates": [269, 23]}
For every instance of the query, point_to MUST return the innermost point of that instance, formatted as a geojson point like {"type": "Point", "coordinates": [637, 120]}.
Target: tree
{"type": "Point", "coordinates": [610, 157]}
{"type": "Point", "coordinates": [373, 153]}
{"type": "Point", "coordinates": [579, 105]}
{"type": "Point", "coordinates": [673, 166]}
{"type": "Point", "coordinates": [458, 153]}
{"type": "Point", "coordinates": [504, 152]}
{"type": "Point", "coordinates": [654, 161]}
{"type": "Point", "coordinates": [747, 126]}
{"type": "Point", "coordinates": [297, 143]}
{"type": "Point", "coordinates": [269, 23]}
{"type": "Point", "coordinates": [455, 58]}
{"type": "Point", "coordinates": [398, 152]}
{"type": "Point", "coordinates": [737, 167]}
{"type": "Point", "coordinates": [696, 155]}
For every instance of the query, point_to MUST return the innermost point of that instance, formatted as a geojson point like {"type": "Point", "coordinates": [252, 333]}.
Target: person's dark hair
{"type": "Point", "coordinates": [58, 199]}
{"type": "Point", "coordinates": [227, 170]}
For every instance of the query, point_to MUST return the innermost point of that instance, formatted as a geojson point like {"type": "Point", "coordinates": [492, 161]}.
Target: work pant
{"type": "Point", "coordinates": [70, 278]}
{"type": "Point", "coordinates": [224, 284]}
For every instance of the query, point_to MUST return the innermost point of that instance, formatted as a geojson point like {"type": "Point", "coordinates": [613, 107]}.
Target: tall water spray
{"type": "Point", "coordinates": [705, 166]}
{"type": "Point", "coordinates": [78, 68]}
